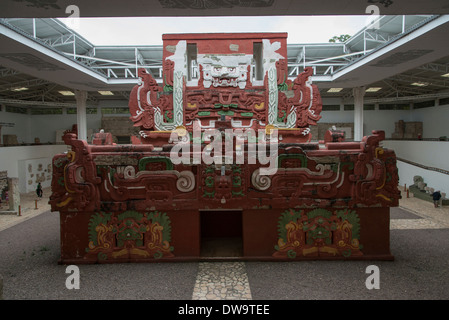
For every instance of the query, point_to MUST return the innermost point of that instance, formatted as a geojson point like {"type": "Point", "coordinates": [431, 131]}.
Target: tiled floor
{"type": "Point", "coordinates": [30, 206]}
{"type": "Point", "coordinates": [436, 217]}
{"type": "Point", "coordinates": [414, 224]}
{"type": "Point", "coordinates": [221, 281]}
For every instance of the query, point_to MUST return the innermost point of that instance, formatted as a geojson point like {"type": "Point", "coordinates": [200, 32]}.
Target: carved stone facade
{"type": "Point", "coordinates": [9, 194]}
{"type": "Point", "coordinates": [10, 140]}
{"type": "Point", "coordinates": [137, 202]}
{"type": "Point", "coordinates": [319, 131]}
{"type": "Point", "coordinates": [121, 128]}
{"type": "Point", "coordinates": [407, 130]}
{"type": "Point", "coordinates": [242, 78]}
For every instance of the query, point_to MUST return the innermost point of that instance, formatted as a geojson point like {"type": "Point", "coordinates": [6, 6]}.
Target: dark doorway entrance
{"type": "Point", "coordinates": [123, 139]}
{"type": "Point", "coordinates": [221, 233]}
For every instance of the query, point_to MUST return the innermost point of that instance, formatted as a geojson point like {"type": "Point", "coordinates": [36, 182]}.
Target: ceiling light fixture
{"type": "Point", "coordinates": [66, 93]}
{"type": "Point", "coordinates": [17, 89]}
{"type": "Point", "coordinates": [420, 84]}
{"type": "Point", "coordinates": [334, 90]}
{"type": "Point", "coordinates": [106, 93]}
{"type": "Point", "coordinates": [373, 89]}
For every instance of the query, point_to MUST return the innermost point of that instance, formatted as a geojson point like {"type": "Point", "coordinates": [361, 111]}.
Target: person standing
{"type": "Point", "coordinates": [436, 198]}
{"type": "Point", "coordinates": [39, 191]}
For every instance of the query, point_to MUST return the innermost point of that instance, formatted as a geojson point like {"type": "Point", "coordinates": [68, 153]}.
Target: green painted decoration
{"type": "Point", "coordinates": [130, 234]}
{"type": "Point", "coordinates": [149, 161]}
{"type": "Point", "coordinates": [318, 233]}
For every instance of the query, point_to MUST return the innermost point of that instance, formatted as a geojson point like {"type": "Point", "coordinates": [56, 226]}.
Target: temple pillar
{"type": "Point", "coordinates": [14, 194]}
{"type": "Point", "coordinates": [81, 98]}
{"type": "Point", "coordinates": [358, 94]}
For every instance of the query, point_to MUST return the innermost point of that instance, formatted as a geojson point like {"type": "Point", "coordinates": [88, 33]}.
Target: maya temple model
{"type": "Point", "coordinates": [224, 167]}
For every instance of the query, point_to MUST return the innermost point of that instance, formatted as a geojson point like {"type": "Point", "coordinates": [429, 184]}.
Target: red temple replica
{"type": "Point", "coordinates": [224, 167]}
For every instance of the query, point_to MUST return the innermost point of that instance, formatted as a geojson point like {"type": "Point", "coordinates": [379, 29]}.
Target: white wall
{"type": "Point", "coordinates": [27, 127]}
{"type": "Point", "coordinates": [436, 180]}
{"type": "Point", "coordinates": [428, 153]}
{"type": "Point", "coordinates": [10, 156]}
{"type": "Point", "coordinates": [383, 120]}
{"type": "Point", "coordinates": [337, 116]}
{"type": "Point", "coordinates": [373, 119]}
{"type": "Point", "coordinates": [33, 171]}
{"type": "Point", "coordinates": [435, 121]}
{"type": "Point", "coordinates": [45, 126]}
{"type": "Point", "coordinates": [21, 128]}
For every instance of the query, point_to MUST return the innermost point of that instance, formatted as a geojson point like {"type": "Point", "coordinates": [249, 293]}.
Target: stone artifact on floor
{"type": "Point", "coordinates": [420, 190]}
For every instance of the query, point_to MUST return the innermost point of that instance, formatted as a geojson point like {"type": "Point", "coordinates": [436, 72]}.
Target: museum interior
{"type": "Point", "coordinates": [392, 75]}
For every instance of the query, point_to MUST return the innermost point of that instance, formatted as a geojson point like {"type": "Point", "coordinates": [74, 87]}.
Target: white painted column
{"type": "Point", "coordinates": [358, 94]}
{"type": "Point", "coordinates": [81, 98]}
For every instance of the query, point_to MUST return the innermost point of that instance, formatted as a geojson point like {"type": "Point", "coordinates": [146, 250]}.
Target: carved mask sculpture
{"type": "Point", "coordinates": [225, 71]}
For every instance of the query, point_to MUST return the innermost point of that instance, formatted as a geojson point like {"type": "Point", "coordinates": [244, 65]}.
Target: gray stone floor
{"type": "Point", "coordinates": [29, 251]}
